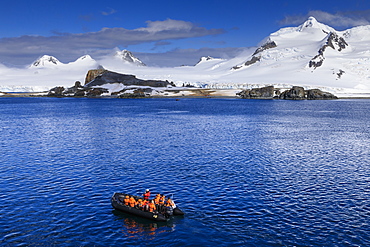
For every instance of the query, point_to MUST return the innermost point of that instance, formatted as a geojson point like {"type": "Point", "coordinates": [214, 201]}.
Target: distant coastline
{"type": "Point", "coordinates": [180, 93]}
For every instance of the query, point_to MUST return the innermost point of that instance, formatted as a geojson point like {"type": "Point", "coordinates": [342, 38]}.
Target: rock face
{"type": "Point", "coordinates": [295, 93]}
{"type": "Point", "coordinates": [100, 77]}
{"type": "Point", "coordinates": [92, 74]}
{"type": "Point", "coordinates": [256, 57]}
{"type": "Point", "coordinates": [136, 93]}
{"type": "Point", "coordinates": [318, 94]}
{"type": "Point", "coordinates": [268, 45]}
{"type": "Point", "coordinates": [56, 92]}
{"type": "Point", "coordinates": [333, 41]}
{"type": "Point", "coordinates": [258, 93]}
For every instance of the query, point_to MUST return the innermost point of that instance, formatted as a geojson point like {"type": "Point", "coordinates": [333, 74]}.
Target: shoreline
{"type": "Point", "coordinates": [191, 92]}
{"type": "Point", "coordinates": [43, 95]}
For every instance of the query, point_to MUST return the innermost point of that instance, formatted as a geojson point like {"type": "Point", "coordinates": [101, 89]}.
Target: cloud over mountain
{"type": "Point", "coordinates": [69, 44]}
{"type": "Point", "coordinates": [339, 19]}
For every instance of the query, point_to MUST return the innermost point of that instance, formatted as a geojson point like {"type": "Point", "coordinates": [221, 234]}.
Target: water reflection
{"type": "Point", "coordinates": [138, 228]}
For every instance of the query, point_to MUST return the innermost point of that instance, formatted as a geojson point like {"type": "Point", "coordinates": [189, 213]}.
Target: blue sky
{"type": "Point", "coordinates": [158, 32]}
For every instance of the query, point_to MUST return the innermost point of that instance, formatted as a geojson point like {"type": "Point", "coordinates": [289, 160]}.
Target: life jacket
{"type": "Point", "coordinates": [146, 195]}
{"type": "Point", "coordinates": [169, 203]}
{"type": "Point", "coordinates": [132, 202]}
{"type": "Point", "coordinates": [126, 201]}
{"type": "Point", "coordinates": [162, 200]}
{"type": "Point", "coordinates": [152, 207]}
{"type": "Point", "coordinates": [157, 200]}
{"type": "Point", "coordinates": [140, 203]}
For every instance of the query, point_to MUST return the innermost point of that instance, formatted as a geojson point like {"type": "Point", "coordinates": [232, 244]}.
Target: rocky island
{"type": "Point", "coordinates": [295, 93]}
{"type": "Point", "coordinates": [102, 82]}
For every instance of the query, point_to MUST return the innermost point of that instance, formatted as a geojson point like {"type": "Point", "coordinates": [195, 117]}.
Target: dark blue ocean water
{"type": "Point", "coordinates": [246, 172]}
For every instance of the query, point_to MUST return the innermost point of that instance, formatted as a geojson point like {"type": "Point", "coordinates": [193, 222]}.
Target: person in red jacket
{"type": "Point", "coordinates": [146, 194]}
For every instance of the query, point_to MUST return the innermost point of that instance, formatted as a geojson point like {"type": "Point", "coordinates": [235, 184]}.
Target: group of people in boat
{"type": "Point", "coordinates": [159, 204]}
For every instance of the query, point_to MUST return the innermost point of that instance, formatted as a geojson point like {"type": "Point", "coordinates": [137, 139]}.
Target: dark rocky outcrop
{"type": "Point", "coordinates": [137, 93]}
{"type": "Point", "coordinates": [268, 45]}
{"type": "Point", "coordinates": [255, 57]}
{"type": "Point", "coordinates": [295, 93]}
{"type": "Point", "coordinates": [100, 77]}
{"type": "Point", "coordinates": [94, 92]}
{"type": "Point", "coordinates": [253, 60]}
{"type": "Point", "coordinates": [77, 90]}
{"type": "Point", "coordinates": [317, 61]}
{"type": "Point", "coordinates": [340, 73]}
{"type": "Point", "coordinates": [92, 74]}
{"type": "Point", "coordinates": [56, 92]}
{"type": "Point", "coordinates": [314, 94]}
{"type": "Point", "coordinates": [333, 41]}
{"type": "Point", "coordinates": [260, 93]}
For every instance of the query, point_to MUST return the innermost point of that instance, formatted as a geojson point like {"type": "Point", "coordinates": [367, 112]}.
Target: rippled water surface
{"type": "Point", "coordinates": [246, 172]}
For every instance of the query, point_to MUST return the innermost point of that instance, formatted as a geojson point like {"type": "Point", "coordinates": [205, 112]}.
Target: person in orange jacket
{"type": "Point", "coordinates": [126, 200]}
{"type": "Point", "coordinates": [169, 203]}
{"type": "Point", "coordinates": [152, 206]}
{"type": "Point", "coordinates": [145, 205]}
{"type": "Point", "coordinates": [157, 199]}
{"type": "Point", "coordinates": [140, 204]}
{"type": "Point", "coordinates": [160, 203]}
{"type": "Point", "coordinates": [162, 199]}
{"type": "Point", "coordinates": [132, 202]}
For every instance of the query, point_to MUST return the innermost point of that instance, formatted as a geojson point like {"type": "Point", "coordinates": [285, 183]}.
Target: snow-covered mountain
{"type": "Point", "coordinates": [127, 57]}
{"type": "Point", "coordinates": [85, 60]}
{"type": "Point", "coordinates": [124, 57]}
{"type": "Point", "coordinates": [310, 55]}
{"type": "Point", "coordinates": [309, 40]}
{"type": "Point", "coordinates": [46, 61]}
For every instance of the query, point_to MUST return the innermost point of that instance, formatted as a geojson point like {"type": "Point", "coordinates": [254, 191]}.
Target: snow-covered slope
{"type": "Point", "coordinates": [310, 55]}
{"type": "Point", "coordinates": [46, 61]}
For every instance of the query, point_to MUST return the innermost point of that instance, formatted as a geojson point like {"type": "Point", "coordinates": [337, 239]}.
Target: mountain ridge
{"type": "Point", "coordinates": [48, 61]}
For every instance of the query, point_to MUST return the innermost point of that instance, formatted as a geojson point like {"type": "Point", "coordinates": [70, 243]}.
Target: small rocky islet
{"type": "Point", "coordinates": [295, 93]}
